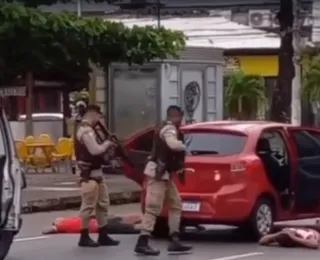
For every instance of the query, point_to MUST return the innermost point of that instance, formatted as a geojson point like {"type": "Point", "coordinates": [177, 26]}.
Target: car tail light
{"type": "Point", "coordinates": [238, 167]}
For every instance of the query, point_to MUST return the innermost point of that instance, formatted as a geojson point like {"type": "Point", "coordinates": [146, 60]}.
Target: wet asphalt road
{"type": "Point", "coordinates": [64, 247]}
{"type": "Point", "coordinates": [219, 243]}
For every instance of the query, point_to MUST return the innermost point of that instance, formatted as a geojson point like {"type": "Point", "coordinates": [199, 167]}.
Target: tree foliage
{"type": "Point", "coordinates": [63, 43]}
{"type": "Point", "coordinates": [311, 81]}
{"type": "Point", "coordinates": [243, 95]}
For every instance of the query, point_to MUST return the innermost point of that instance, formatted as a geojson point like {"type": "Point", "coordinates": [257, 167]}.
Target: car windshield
{"type": "Point", "coordinates": [214, 144]}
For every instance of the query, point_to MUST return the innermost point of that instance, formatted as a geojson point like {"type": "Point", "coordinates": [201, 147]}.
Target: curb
{"type": "Point", "coordinates": [63, 203]}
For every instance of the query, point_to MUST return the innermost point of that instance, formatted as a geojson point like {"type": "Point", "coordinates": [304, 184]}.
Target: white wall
{"type": "Point", "coordinates": [53, 128]}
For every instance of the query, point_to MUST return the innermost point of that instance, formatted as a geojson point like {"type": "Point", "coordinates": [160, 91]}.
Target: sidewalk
{"type": "Point", "coordinates": [58, 191]}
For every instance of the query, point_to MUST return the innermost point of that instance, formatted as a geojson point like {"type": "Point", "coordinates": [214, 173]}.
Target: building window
{"type": "Point", "coordinates": [48, 101]}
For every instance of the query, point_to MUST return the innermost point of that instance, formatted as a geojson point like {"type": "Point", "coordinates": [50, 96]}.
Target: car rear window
{"type": "Point", "coordinates": [214, 144]}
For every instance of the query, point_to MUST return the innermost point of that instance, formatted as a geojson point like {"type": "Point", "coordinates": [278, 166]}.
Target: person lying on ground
{"type": "Point", "coordinates": [121, 225]}
{"type": "Point", "coordinates": [293, 237]}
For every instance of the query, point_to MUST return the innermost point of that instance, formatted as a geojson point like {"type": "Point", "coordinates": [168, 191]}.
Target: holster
{"type": "Point", "coordinates": [85, 174]}
{"type": "Point", "coordinates": [182, 177]}
{"type": "Point", "coordinates": [160, 169]}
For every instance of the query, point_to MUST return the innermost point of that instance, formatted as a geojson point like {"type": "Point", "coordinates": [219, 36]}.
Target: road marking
{"type": "Point", "coordinates": [238, 256]}
{"type": "Point", "coordinates": [66, 183]}
{"type": "Point", "coordinates": [54, 188]}
{"type": "Point", "coordinates": [25, 239]}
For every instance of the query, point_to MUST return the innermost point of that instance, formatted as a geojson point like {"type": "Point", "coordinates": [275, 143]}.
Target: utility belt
{"type": "Point", "coordinates": [86, 169]}
{"type": "Point", "coordinates": [162, 168]}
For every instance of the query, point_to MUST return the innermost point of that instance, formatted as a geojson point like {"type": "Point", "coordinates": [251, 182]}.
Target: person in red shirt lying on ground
{"type": "Point", "coordinates": [121, 225]}
{"type": "Point", "coordinates": [293, 237]}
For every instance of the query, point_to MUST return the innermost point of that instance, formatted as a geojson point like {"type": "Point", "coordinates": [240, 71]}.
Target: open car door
{"type": "Point", "coordinates": [139, 148]}
{"type": "Point", "coordinates": [11, 183]}
{"type": "Point", "coordinates": [305, 148]}
{"type": "Point", "coordinates": [7, 178]}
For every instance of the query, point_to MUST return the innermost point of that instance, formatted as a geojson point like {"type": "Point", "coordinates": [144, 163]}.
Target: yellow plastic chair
{"type": "Point", "coordinates": [29, 140]}
{"type": "Point", "coordinates": [63, 154]}
{"type": "Point", "coordinates": [73, 156]}
{"type": "Point", "coordinates": [27, 160]}
{"type": "Point", "coordinates": [45, 138]}
{"type": "Point", "coordinates": [40, 161]}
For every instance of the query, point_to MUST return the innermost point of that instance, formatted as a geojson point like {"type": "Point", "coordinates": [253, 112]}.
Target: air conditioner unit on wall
{"type": "Point", "coordinates": [259, 18]}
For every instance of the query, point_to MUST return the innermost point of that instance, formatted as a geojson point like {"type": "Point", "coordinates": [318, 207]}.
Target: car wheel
{"type": "Point", "coordinates": [161, 228]}
{"type": "Point", "coordinates": [6, 239]}
{"type": "Point", "coordinates": [262, 218]}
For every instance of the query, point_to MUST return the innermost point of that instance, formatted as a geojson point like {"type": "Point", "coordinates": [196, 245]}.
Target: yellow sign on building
{"type": "Point", "coordinates": [263, 65]}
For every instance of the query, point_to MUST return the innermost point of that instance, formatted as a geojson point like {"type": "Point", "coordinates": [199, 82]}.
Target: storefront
{"type": "Point", "coordinates": [13, 100]}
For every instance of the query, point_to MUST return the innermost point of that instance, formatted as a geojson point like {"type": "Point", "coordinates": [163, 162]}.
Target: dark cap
{"type": "Point", "coordinates": [93, 108]}
{"type": "Point", "coordinates": [174, 108]}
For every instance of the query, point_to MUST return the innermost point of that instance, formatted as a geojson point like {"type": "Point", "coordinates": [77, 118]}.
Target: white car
{"type": "Point", "coordinates": [12, 181]}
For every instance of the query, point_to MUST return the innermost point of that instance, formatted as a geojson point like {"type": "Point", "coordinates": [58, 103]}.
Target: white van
{"type": "Point", "coordinates": [12, 181]}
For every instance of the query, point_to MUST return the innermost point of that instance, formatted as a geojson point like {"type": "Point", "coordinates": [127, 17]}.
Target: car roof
{"type": "Point", "coordinates": [234, 125]}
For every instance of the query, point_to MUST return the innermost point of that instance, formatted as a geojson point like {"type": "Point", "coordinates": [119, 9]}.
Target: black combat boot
{"type": "Point", "coordinates": [175, 245]}
{"type": "Point", "coordinates": [143, 248]}
{"type": "Point", "coordinates": [104, 239]}
{"type": "Point", "coordinates": [85, 240]}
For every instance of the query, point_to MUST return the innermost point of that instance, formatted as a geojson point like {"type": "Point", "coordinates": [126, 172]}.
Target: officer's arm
{"type": "Point", "coordinates": [170, 135]}
{"type": "Point", "coordinates": [87, 136]}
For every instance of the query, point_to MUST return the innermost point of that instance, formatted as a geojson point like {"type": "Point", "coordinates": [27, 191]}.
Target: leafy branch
{"type": "Point", "coordinates": [31, 40]}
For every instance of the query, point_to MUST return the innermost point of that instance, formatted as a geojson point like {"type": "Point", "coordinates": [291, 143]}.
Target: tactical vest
{"type": "Point", "coordinates": [172, 159]}
{"type": "Point", "coordinates": [83, 156]}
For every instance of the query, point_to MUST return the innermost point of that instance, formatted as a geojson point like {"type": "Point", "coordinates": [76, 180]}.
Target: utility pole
{"type": "Point", "coordinates": [296, 82]}
{"type": "Point", "coordinates": [79, 8]}
{"type": "Point", "coordinates": [159, 13]}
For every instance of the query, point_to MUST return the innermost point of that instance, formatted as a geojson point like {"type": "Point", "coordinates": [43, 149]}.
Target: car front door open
{"type": "Point", "coordinates": [7, 181]}
{"type": "Point", "coordinates": [306, 170]}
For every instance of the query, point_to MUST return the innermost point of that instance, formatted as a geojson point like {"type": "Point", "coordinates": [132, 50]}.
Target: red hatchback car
{"type": "Point", "coordinates": [246, 174]}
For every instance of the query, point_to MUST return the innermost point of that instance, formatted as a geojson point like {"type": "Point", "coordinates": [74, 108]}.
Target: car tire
{"type": "Point", "coordinates": [6, 239]}
{"type": "Point", "coordinates": [161, 228]}
{"type": "Point", "coordinates": [261, 220]}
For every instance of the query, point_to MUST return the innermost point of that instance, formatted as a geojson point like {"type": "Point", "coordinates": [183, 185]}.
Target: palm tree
{"type": "Point", "coordinates": [244, 95]}
{"type": "Point", "coordinates": [311, 81]}
{"type": "Point", "coordinates": [311, 86]}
